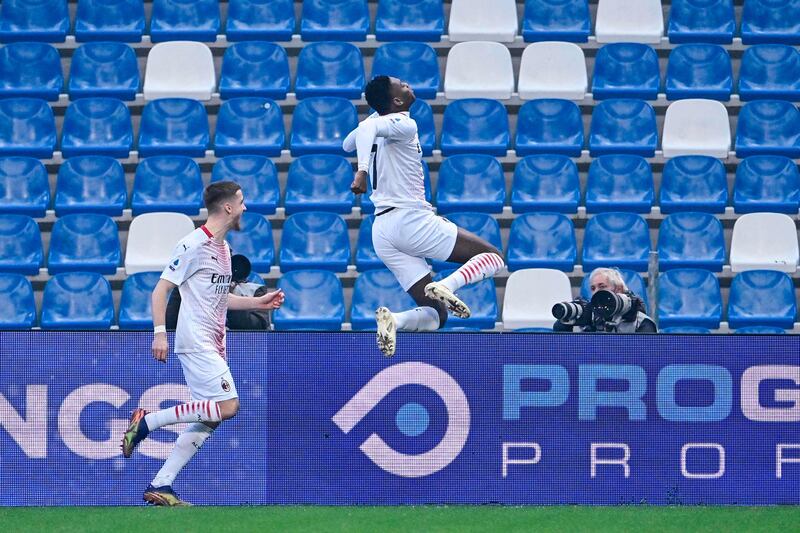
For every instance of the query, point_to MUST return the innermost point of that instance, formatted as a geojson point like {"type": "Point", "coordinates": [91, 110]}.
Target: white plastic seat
{"type": "Point", "coordinates": [636, 21]}
{"type": "Point", "coordinates": [530, 295]}
{"type": "Point", "coordinates": [553, 69]}
{"type": "Point", "coordinates": [179, 69]}
{"type": "Point", "coordinates": [152, 238]}
{"type": "Point", "coordinates": [764, 241]}
{"type": "Point", "coordinates": [696, 127]}
{"type": "Point", "coordinates": [479, 69]}
{"type": "Point", "coordinates": [482, 20]}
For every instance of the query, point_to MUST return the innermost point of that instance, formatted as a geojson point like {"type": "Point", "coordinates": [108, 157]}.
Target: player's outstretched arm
{"type": "Point", "coordinates": [159, 300]}
{"type": "Point", "coordinates": [270, 300]}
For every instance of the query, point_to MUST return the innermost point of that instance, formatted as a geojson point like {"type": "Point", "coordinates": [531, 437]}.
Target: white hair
{"type": "Point", "coordinates": [613, 276]}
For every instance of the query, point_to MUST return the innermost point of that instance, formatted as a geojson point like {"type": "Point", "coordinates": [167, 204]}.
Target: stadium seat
{"type": "Point", "coordinates": [549, 126]}
{"type": "Point", "coordinates": [77, 301]}
{"type": "Point", "coordinates": [479, 69]}
{"type": "Point", "coordinates": [319, 183]}
{"type": "Point", "coordinates": [254, 241]}
{"type": "Point", "coordinates": [770, 71]}
{"type": "Point", "coordinates": [374, 289]}
{"type": "Point", "coordinates": [182, 20]}
{"type": "Point", "coordinates": [315, 239]}
{"type": "Point", "coordinates": [20, 245]}
{"type": "Point", "coordinates": [618, 21]}
{"type": "Point", "coordinates": [177, 126]}
{"type": "Point", "coordinates": [701, 21]}
{"type": "Point", "coordinates": [135, 309]}
{"type": "Point", "coordinates": [366, 258]}
{"type": "Point", "coordinates": [761, 330]}
{"type": "Point", "coordinates": [258, 178]}
{"type": "Point", "coordinates": [17, 302]}
{"type": "Point", "coordinates": [24, 186]}
{"type": "Point", "coordinates": [699, 71]}
{"type": "Point", "coordinates": [422, 114]}
{"type": "Point", "coordinates": [483, 225]}
{"type": "Point", "coordinates": [260, 20]}
{"type": "Point", "coordinates": [696, 127]}
{"type": "Point", "coordinates": [552, 70]}
{"type": "Point", "coordinates": [86, 242]}
{"type": "Point", "coordinates": [768, 127]}
{"type": "Point", "coordinates": [633, 280]}
{"type": "Point", "coordinates": [545, 183]}
{"type": "Point", "coordinates": [693, 183]}
{"type": "Point", "coordinates": [167, 183]}
{"type": "Point", "coordinates": [27, 127]}
{"type": "Point", "coordinates": [320, 124]}
{"type": "Point", "coordinates": [764, 241]}
{"type": "Point", "coordinates": [477, 20]}
{"type": "Point", "coordinates": [522, 311]}
{"type": "Point", "coordinates": [475, 125]}
{"type": "Point", "coordinates": [691, 240]}
{"type": "Point", "coordinates": [619, 183]}
{"type": "Point", "coordinates": [334, 20]}
{"type": "Point", "coordinates": [767, 183]}
{"type": "Point", "coordinates": [762, 298]}
{"type": "Point", "coordinates": [97, 126]}
{"type": "Point", "coordinates": [470, 182]}
{"type": "Point", "coordinates": [685, 330]}
{"type": "Point", "coordinates": [34, 20]}
{"type": "Point", "coordinates": [30, 69]}
{"type": "Point", "coordinates": [619, 240]}
{"type": "Point", "coordinates": [367, 207]}
{"type": "Point", "coordinates": [409, 20]}
{"type": "Point", "coordinates": [414, 63]}
{"type": "Point", "coordinates": [254, 69]}
{"type": "Point", "coordinates": [104, 69]}
{"type": "Point", "coordinates": [101, 20]}
{"type": "Point", "coordinates": [626, 70]}
{"type": "Point", "coordinates": [330, 69]}
{"type": "Point", "coordinates": [689, 297]}
{"type": "Point", "coordinates": [249, 125]}
{"type": "Point", "coordinates": [556, 20]}
{"type": "Point", "coordinates": [179, 70]}
{"type": "Point", "coordinates": [542, 240]}
{"type": "Point", "coordinates": [623, 126]}
{"type": "Point", "coordinates": [771, 21]}
{"type": "Point", "coordinates": [481, 298]}
{"type": "Point", "coordinates": [314, 300]}
{"type": "Point", "coordinates": [91, 184]}
{"type": "Point", "coordinates": [152, 237]}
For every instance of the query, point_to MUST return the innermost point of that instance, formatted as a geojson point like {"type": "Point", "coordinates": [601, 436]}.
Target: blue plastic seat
{"type": "Point", "coordinates": [173, 126]}
{"type": "Point", "coordinates": [771, 21]}
{"type": "Point", "coordinates": [104, 69]}
{"type": "Point", "coordinates": [626, 70]}
{"type": "Point", "coordinates": [374, 289]}
{"type": "Point", "coordinates": [85, 242]}
{"type": "Point", "coordinates": [319, 183]}
{"type": "Point", "coordinates": [761, 330]}
{"type": "Point", "coordinates": [254, 241]}
{"type": "Point", "coordinates": [616, 240]}
{"type": "Point", "coordinates": [556, 20]}
{"type": "Point", "coordinates": [766, 183]}
{"type": "Point", "coordinates": [258, 178]}
{"type": "Point", "coordinates": [27, 127]}
{"type": "Point", "coordinates": [20, 245]}
{"type": "Point", "coordinates": [623, 126]}
{"type": "Point", "coordinates": [320, 124]}
{"type": "Point", "coordinates": [367, 207]}
{"type": "Point", "coordinates": [77, 300]}
{"type": "Point", "coordinates": [91, 184]}
{"type": "Point", "coordinates": [409, 20]}
{"type": "Point", "coordinates": [483, 225]}
{"type": "Point", "coordinates": [422, 114]}
{"type": "Point", "coordinates": [24, 186]}
{"type": "Point", "coordinates": [542, 240]}
{"type": "Point", "coordinates": [170, 183]}
{"type": "Point", "coordinates": [117, 20]}
{"type": "Point", "coordinates": [691, 240]}
{"type": "Point", "coordinates": [619, 183]}
{"type": "Point", "coordinates": [254, 69]}
{"type": "Point", "coordinates": [471, 182]}
{"type": "Point", "coordinates": [701, 21]}
{"type": "Point", "coordinates": [699, 71]}
{"type": "Point", "coordinates": [249, 125]}
{"type": "Point", "coordinates": [481, 298]}
{"type": "Point", "coordinates": [97, 126]}
{"type": "Point", "coordinates": [30, 69]}
{"type": "Point", "coordinates": [689, 297]}
{"type": "Point", "coordinates": [686, 330]}
{"type": "Point", "coordinates": [414, 63]}
{"type": "Point", "coordinates": [34, 20]}
{"type": "Point", "coordinates": [334, 20]}
{"type": "Point", "coordinates": [633, 280]}
{"type": "Point", "coordinates": [17, 302]}
{"type": "Point", "coordinates": [185, 20]}
{"type": "Point", "coordinates": [475, 125]}
{"type": "Point", "coordinates": [768, 127]}
{"type": "Point", "coordinates": [770, 71]}
{"type": "Point", "coordinates": [315, 240]}
{"type": "Point", "coordinates": [366, 258]}
{"type": "Point", "coordinates": [762, 298]}
{"type": "Point", "coordinates": [260, 20]}
{"type": "Point", "coordinates": [693, 183]}
{"type": "Point", "coordinates": [314, 300]}
{"type": "Point", "coordinates": [545, 183]}
{"type": "Point", "coordinates": [330, 69]}
{"type": "Point", "coordinates": [549, 126]}
{"type": "Point", "coordinates": [135, 309]}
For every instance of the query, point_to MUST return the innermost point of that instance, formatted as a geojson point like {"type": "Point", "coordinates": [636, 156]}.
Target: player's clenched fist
{"type": "Point", "coordinates": [359, 185]}
{"type": "Point", "coordinates": [160, 347]}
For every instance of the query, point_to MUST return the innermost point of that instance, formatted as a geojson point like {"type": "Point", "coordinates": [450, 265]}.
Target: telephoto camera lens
{"type": "Point", "coordinates": [567, 311]}
{"type": "Point", "coordinates": [608, 305]}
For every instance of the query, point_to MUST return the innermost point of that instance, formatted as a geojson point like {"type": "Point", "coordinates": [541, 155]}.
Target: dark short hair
{"type": "Point", "coordinates": [218, 193]}
{"type": "Point", "coordinates": [378, 93]}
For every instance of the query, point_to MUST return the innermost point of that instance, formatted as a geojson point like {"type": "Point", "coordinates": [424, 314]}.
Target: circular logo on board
{"type": "Point", "coordinates": [225, 385]}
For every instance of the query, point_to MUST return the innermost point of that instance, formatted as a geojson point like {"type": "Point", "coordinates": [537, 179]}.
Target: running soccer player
{"type": "Point", "coordinates": [201, 269]}
{"type": "Point", "coordinates": [406, 229]}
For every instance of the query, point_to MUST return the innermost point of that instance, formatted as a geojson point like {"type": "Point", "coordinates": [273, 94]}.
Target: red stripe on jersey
{"type": "Point", "coordinates": [205, 230]}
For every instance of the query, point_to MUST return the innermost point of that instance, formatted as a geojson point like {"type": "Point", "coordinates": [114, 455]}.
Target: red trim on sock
{"type": "Point", "coordinates": [208, 410]}
{"type": "Point", "coordinates": [176, 410]}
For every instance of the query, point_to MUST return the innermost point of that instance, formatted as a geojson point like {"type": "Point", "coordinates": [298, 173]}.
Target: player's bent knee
{"type": "Point", "coordinates": [229, 408]}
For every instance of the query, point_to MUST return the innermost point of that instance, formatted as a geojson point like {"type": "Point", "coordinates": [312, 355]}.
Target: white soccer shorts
{"type": "Point", "coordinates": [208, 377]}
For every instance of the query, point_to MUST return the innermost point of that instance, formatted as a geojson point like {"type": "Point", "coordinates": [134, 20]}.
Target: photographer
{"type": "Point", "coordinates": [612, 309]}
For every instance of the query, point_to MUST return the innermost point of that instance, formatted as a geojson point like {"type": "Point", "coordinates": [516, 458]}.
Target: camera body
{"type": "Point", "coordinates": [603, 312]}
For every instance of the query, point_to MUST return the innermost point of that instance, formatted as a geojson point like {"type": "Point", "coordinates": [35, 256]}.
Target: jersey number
{"type": "Point", "coordinates": [374, 167]}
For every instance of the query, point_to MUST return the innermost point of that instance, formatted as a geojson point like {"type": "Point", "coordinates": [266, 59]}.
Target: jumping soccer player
{"type": "Point", "coordinates": [201, 268]}
{"type": "Point", "coordinates": [406, 229]}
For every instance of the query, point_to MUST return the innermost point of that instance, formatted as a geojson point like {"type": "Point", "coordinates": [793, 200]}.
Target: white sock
{"type": "Point", "coordinates": [417, 319]}
{"type": "Point", "coordinates": [187, 444]}
{"type": "Point", "coordinates": [206, 411]}
{"type": "Point", "coordinates": [480, 267]}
